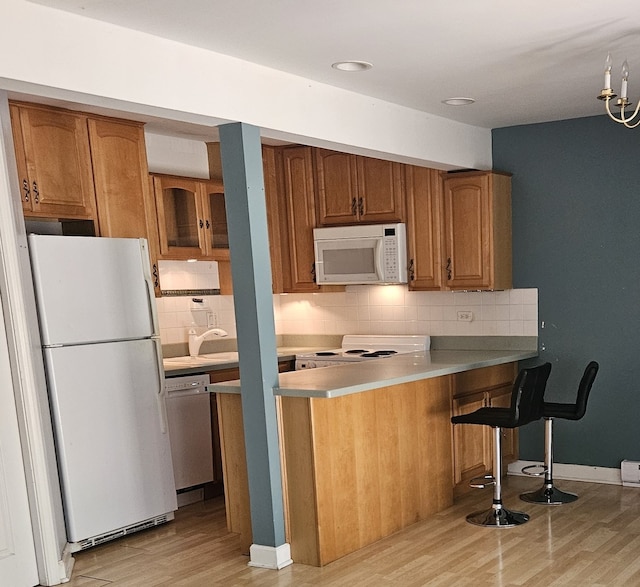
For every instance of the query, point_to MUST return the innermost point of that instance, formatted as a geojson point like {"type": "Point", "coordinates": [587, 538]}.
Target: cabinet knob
{"type": "Point", "coordinates": [449, 268]}
{"type": "Point", "coordinates": [26, 190]}
{"type": "Point", "coordinates": [36, 193]}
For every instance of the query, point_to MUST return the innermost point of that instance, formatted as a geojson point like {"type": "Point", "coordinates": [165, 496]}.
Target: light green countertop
{"type": "Point", "coordinates": [329, 382]}
{"type": "Point", "coordinates": [186, 365]}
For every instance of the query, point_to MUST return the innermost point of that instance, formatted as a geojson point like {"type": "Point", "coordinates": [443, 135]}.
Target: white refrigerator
{"type": "Point", "coordinates": [103, 360]}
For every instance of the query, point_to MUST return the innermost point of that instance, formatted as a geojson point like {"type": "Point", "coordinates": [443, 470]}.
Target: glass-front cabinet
{"type": "Point", "coordinates": [192, 222]}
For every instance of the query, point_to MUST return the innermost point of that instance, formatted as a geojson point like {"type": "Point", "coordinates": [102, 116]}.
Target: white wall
{"type": "Point", "coordinates": [371, 310]}
{"type": "Point", "coordinates": [51, 53]}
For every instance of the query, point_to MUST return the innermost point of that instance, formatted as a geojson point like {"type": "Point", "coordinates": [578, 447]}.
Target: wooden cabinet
{"type": "Point", "coordinates": [477, 228]}
{"type": "Point", "coordinates": [297, 219]}
{"type": "Point", "coordinates": [75, 166]}
{"type": "Point", "coordinates": [191, 218]}
{"type": "Point", "coordinates": [271, 177]}
{"type": "Point", "coordinates": [351, 188]}
{"type": "Point", "coordinates": [472, 444]}
{"type": "Point", "coordinates": [355, 468]}
{"type": "Point", "coordinates": [424, 227]}
{"type": "Point", "coordinates": [54, 162]}
{"type": "Point", "coordinates": [125, 207]}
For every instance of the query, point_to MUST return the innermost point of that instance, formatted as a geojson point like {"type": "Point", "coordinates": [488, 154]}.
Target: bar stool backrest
{"type": "Point", "coordinates": [584, 389]}
{"type": "Point", "coordinates": [527, 398]}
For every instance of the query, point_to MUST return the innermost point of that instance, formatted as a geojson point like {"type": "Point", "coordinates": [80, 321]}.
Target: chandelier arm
{"type": "Point", "coordinates": [623, 120]}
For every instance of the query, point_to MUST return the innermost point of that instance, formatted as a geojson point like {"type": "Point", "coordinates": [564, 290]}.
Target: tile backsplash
{"type": "Point", "coordinates": [365, 309]}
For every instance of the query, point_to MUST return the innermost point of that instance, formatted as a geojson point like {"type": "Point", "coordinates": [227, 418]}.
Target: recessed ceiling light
{"type": "Point", "coordinates": [458, 101]}
{"type": "Point", "coordinates": [352, 65]}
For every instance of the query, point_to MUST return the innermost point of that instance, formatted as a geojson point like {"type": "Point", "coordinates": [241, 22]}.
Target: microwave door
{"type": "Point", "coordinates": [347, 261]}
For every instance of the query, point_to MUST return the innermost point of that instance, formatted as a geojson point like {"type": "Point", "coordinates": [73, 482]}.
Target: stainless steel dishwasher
{"type": "Point", "coordinates": [189, 417]}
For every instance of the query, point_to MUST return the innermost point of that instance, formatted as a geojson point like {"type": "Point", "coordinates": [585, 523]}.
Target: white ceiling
{"type": "Point", "coordinates": [523, 61]}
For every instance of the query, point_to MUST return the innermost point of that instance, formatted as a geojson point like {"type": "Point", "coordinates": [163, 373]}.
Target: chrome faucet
{"type": "Point", "coordinates": [195, 340]}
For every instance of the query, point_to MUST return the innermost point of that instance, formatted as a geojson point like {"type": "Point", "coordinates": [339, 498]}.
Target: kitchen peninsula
{"type": "Point", "coordinates": [366, 448]}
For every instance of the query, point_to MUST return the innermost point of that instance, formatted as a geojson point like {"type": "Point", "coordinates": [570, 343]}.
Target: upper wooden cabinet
{"type": "Point", "coordinates": [477, 228]}
{"type": "Point", "coordinates": [191, 218]}
{"type": "Point", "coordinates": [125, 207]}
{"type": "Point", "coordinates": [424, 227]}
{"type": "Point", "coordinates": [297, 219]}
{"type": "Point", "coordinates": [351, 188]}
{"type": "Point", "coordinates": [54, 162]}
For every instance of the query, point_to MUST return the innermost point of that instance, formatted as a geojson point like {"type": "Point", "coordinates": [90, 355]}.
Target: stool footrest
{"type": "Point", "coordinates": [529, 470]}
{"type": "Point", "coordinates": [482, 482]}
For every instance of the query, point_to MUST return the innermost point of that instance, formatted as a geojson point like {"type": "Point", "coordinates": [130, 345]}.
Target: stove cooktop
{"type": "Point", "coordinates": [360, 347]}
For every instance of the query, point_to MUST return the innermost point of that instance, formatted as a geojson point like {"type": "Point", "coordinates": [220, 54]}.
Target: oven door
{"type": "Point", "coordinates": [349, 261]}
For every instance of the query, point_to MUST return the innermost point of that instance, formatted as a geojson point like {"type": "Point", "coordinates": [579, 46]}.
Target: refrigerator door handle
{"type": "Point", "coordinates": [162, 394]}
{"type": "Point", "coordinates": [151, 296]}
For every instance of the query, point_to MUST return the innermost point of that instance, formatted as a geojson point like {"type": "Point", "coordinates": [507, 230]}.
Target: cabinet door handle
{"type": "Point", "coordinates": [411, 270]}
{"type": "Point", "coordinates": [354, 206]}
{"type": "Point", "coordinates": [156, 276]}
{"type": "Point", "coordinates": [207, 224]}
{"type": "Point", "coordinates": [36, 193]}
{"type": "Point", "coordinates": [360, 206]}
{"type": "Point", "coordinates": [200, 223]}
{"type": "Point", "coordinates": [313, 271]}
{"type": "Point", "coordinates": [26, 190]}
{"type": "Point", "coordinates": [449, 268]}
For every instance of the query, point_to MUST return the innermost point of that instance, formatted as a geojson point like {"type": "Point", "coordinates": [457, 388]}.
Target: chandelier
{"type": "Point", "coordinates": [623, 101]}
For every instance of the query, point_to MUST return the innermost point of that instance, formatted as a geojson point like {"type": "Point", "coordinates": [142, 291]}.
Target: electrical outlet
{"type": "Point", "coordinates": [465, 316]}
{"type": "Point", "coordinates": [212, 319]}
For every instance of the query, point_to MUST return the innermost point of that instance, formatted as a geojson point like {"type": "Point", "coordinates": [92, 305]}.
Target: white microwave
{"type": "Point", "coordinates": [361, 254]}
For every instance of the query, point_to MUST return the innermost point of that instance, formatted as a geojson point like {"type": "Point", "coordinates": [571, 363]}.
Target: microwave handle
{"type": "Point", "coordinates": [379, 258]}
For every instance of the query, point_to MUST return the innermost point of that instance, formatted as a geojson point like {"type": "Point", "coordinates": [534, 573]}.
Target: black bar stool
{"type": "Point", "coordinates": [548, 494]}
{"type": "Point", "coordinates": [526, 406]}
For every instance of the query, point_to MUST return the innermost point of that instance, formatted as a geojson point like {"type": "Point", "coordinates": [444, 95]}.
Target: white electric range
{"type": "Point", "coordinates": [364, 347]}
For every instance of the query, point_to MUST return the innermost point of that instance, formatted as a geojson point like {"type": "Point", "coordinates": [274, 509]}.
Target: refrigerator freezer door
{"type": "Point", "coordinates": [91, 289]}
{"type": "Point", "coordinates": [114, 458]}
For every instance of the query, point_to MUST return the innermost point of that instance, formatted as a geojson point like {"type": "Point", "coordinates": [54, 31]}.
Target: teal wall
{"type": "Point", "coordinates": [576, 237]}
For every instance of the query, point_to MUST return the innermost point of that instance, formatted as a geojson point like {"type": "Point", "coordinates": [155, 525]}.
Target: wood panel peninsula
{"type": "Point", "coordinates": [366, 448]}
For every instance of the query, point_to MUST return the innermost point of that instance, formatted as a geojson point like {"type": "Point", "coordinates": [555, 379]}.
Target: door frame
{"type": "Point", "coordinates": [54, 562]}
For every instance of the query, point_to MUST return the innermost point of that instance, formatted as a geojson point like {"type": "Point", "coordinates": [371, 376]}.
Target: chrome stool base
{"type": "Point", "coordinates": [549, 495]}
{"type": "Point", "coordinates": [498, 518]}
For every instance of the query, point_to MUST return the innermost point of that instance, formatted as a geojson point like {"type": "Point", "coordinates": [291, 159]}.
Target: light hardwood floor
{"type": "Point", "coordinates": [592, 542]}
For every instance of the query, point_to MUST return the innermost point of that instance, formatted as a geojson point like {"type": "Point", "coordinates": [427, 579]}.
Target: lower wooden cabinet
{"type": "Point", "coordinates": [473, 444]}
{"type": "Point", "coordinates": [355, 468]}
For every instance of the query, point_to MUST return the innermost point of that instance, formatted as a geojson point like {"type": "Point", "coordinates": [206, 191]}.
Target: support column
{"type": "Point", "coordinates": [242, 171]}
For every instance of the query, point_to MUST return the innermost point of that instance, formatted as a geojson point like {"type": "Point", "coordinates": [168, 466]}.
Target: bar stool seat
{"type": "Point", "coordinates": [526, 406]}
{"type": "Point", "coordinates": [548, 494]}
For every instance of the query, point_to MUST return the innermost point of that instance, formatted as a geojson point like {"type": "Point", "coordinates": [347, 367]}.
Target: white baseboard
{"type": "Point", "coordinates": [270, 557]}
{"type": "Point", "coordinates": [605, 475]}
